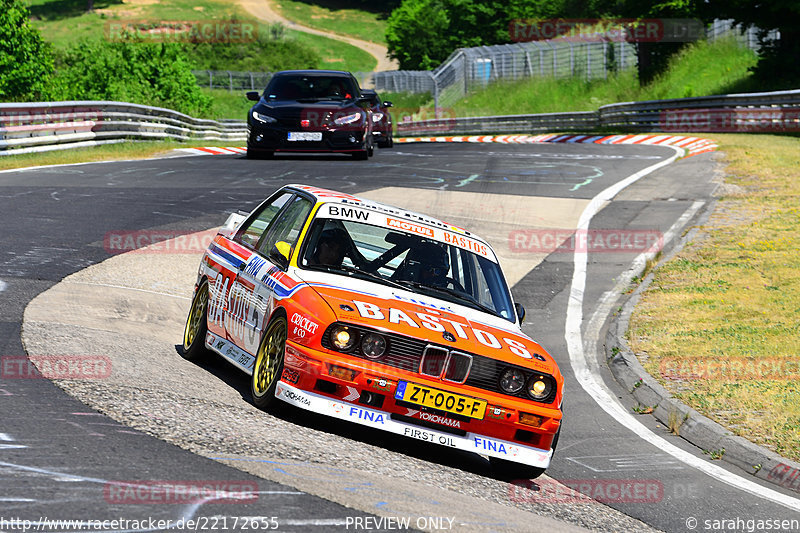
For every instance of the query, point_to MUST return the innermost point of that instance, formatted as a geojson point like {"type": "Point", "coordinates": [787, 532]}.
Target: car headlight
{"type": "Point", "coordinates": [539, 387]}
{"type": "Point", "coordinates": [373, 346]}
{"type": "Point", "coordinates": [343, 338]}
{"type": "Point", "coordinates": [348, 119]}
{"type": "Point", "coordinates": [266, 119]}
{"type": "Point", "coordinates": [377, 117]}
{"type": "Point", "coordinates": [512, 380]}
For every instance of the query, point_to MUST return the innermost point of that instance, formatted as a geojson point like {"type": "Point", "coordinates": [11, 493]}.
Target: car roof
{"type": "Point", "coordinates": [328, 196]}
{"type": "Point", "coordinates": [341, 73]}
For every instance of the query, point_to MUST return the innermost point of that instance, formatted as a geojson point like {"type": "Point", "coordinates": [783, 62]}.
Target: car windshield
{"type": "Point", "coordinates": [409, 261]}
{"type": "Point", "coordinates": [311, 88]}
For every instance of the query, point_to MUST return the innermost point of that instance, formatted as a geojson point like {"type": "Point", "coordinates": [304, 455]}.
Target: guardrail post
{"type": "Point", "coordinates": [230, 80]}
{"type": "Point", "coordinates": [210, 80]}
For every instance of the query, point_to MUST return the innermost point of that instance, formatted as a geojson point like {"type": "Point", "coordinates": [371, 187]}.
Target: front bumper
{"type": "Point", "coordinates": [382, 420]}
{"type": "Point", "coordinates": [275, 139]}
{"type": "Point", "coordinates": [360, 391]}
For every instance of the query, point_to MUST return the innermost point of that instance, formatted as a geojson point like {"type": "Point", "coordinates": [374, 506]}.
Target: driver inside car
{"type": "Point", "coordinates": [331, 248]}
{"type": "Point", "coordinates": [426, 263]}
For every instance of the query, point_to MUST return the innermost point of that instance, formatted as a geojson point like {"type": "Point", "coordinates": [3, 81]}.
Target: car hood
{"type": "Point", "coordinates": [406, 313]}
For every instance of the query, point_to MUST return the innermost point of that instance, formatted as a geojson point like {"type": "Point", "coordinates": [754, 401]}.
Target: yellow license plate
{"type": "Point", "coordinates": [439, 399]}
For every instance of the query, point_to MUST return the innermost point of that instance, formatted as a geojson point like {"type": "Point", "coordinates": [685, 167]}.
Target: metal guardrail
{"type": "Point", "coordinates": [770, 112]}
{"type": "Point", "coordinates": [44, 126]}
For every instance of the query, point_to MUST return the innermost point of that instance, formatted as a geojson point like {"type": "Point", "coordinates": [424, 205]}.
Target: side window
{"type": "Point", "coordinates": [288, 226]}
{"type": "Point", "coordinates": [251, 234]}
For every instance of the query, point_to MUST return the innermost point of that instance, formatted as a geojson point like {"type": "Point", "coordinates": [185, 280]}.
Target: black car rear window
{"type": "Point", "coordinates": [311, 87]}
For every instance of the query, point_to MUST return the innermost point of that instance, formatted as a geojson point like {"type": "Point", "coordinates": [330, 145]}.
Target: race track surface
{"type": "Point", "coordinates": [58, 456]}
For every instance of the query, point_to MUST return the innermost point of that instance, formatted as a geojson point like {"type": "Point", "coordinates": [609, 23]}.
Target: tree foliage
{"type": "Point", "coordinates": [157, 74]}
{"type": "Point", "coordinates": [422, 33]}
{"type": "Point", "coordinates": [26, 61]}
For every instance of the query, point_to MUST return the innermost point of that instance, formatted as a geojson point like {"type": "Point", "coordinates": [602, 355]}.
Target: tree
{"type": "Point", "coordinates": [423, 33]}
{"type": "Point", "coordinates": [26, 61]}
{"type": "Point", "coordinates": [778, 58]}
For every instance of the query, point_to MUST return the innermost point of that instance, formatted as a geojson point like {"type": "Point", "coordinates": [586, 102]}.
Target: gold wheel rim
{"type": "Point", "coordinates": [269, 357]}
{"type": "Point", "coordinates": [196, 315]}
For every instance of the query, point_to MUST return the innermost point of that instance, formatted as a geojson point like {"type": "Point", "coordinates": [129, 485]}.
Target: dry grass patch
{"type": "Point", "coordinates": [720, 324]}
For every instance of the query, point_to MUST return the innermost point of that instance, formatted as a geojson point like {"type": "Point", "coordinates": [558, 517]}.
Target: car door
{"type": "Point", "coordinates": [256, 285]}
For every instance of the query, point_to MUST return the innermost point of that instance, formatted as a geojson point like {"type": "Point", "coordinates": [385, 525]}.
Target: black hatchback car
{"type": "Point", "coordinates": [310, 111]}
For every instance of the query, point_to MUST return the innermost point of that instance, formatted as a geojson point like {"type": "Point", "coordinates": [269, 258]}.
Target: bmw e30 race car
{"type": "Point", "coordinates": [379, 316]}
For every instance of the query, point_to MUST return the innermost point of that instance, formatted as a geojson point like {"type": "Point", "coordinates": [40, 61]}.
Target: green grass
{"type": "Point", "coordinates": [336, 16]}
{"type": "Point", "coordinates": [719, 324]}
{"type": "Point", "coordinates": [700, 69]}
{"type": "Point", "coordinates": [227, 104]}
{"type": "Point", "coordinates": [65, 22]}
{"type": "Point", "coordinates": [336, 55]}
{"type": "Point", "coordinates": [109, 152]}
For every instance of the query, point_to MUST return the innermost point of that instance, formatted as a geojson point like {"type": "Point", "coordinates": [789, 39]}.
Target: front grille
{"type": "Point", "coordinates": [433, 360]}
{"type": "Point", "coordinates": [414, 355]}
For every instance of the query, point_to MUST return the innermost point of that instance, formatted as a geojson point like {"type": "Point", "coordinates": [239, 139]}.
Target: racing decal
{"type": "Point", "coordinates": [383, 421]}
{"type": "Point", "coordinates": [429, 436]}
{"type": "Point", "coordinates": [292, 396]}
{"type": "Point", "coordinates": [484, 444]}
{"type": "Point", "coordinates": [383, 385]}
{"type": "Point", "coordinates": [303, 325]}
{"type": "Point", "coordinates": [438, 323]}
{"type": "Point", "coordinates": [231, 352]}
{"type": "Point", "coordinates": [367, 415]}
{"type": "Point", "coordinates": [290, 376]}
{"type": "Point", "coordinates": [436, 230]}
{"type": "Point", "coordinates": [438, 419]}
{"type": "Point", "coordinates": [408, 226]}
{"type": "Point", "coordinates": [497, 413]}
{"type": "Point", "coordinates": [352, 213]}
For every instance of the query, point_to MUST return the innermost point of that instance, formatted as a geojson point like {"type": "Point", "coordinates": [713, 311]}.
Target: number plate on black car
{"type": "Point", "coordinates": [305, 136]}
{"type": "Point", "coordinates": [439, 399]}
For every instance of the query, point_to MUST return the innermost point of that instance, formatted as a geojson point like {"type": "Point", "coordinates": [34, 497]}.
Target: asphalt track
{"type": "Point", "coordinates": [55, 220]}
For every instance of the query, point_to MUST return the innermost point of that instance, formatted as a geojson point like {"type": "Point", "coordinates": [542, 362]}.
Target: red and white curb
{"type": "Point", "coordinates": [214, 150]}
{"type": "Point", "coordinates": [691, 145]}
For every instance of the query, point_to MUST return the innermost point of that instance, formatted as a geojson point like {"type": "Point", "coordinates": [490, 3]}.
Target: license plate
{"type": "Point", "coordinates": [439, 399]}
{"type": "Point", "coordinates": [305, 135]}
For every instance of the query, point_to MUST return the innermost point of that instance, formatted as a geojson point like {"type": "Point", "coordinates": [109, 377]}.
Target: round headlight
{"type": "Point", "coordinates": [512, 381]}
{"type": "Point", "coordinates": [539, 388]}
{"type": "Point", "coordinates": [342, 338]}
{"type": "Point", "coordinates": [373, 346]}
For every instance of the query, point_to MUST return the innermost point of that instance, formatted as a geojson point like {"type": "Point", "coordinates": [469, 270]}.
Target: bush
{"type": "Point", "coordinates": [269, 53]}
{"type": "Point", "coordinates": [157, 74]}
{"type": "Point", "coordinates": [26, 62]}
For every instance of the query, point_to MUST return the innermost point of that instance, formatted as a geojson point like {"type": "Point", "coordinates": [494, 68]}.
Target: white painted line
{"type": "Point", "coordinates": [3, 285]}
{"type": "Point", "coordinates": [17, 500]}
{"type": "Point", "coordinates": [591, 381]}
{"type": "Point", "coordinates": [6, 437]}
{"type": "Point", "coordinates": [112, 286]}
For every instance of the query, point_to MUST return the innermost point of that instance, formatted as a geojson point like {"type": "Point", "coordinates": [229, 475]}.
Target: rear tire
{"type": "Point", "coordinates": [194, 334]}
{"type": "Point", "coordinates": [268, 367]}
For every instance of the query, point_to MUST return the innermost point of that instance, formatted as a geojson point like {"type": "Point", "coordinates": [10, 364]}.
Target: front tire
{"type": "Point", "coordinates": [269, 363]}
{"type": "Point", "coordinates": [194, 334]}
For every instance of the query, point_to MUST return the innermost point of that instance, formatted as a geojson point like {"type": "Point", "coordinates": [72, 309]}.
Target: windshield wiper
{"type": "Point", "coordinates": [460, 295]}
{"type": "Point", "coordinates": [358, 271]}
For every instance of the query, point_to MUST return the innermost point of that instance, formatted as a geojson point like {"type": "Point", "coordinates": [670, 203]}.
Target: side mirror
{"type": "Point", "coordinates": [253, 95]}
{"type": "Point", "coordinates": [387, 104]}
{"type": "Point", "coordinates": [520, 312]}
{"type": "Point", "coordinates": [279, 254]}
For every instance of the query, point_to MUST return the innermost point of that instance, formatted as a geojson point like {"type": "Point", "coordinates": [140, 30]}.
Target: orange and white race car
{"type": "Point", "coordinates": [378, 316]}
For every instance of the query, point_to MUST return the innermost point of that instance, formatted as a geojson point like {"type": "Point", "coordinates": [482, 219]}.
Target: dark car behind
{"type": "Point", "coordinates": [381, 118]}
{"type": "Point", "coordinates": [310, 111]}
